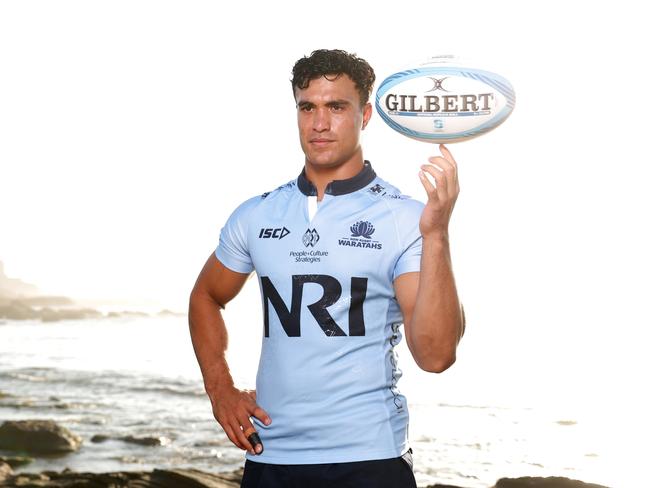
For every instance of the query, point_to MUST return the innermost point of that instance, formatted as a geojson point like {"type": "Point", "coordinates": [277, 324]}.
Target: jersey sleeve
{"type": "Point", "coordinates": [410, 238]}
{"type": "Point", "coordinates": [232, 249]}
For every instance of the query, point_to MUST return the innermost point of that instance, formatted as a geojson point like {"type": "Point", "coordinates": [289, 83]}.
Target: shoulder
{"type": "Point", "coordinates": [383, 192]}
{"type": "Point", "coordinates": [281, 191]}
{"type": "Point", "coordinates": [260, 202]}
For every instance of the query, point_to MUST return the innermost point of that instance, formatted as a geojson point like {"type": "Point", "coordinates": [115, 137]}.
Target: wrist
{"type": "Point", "coordinates": [217, 378]}
{"type": "Point", "coordinates": [436, 238]}
{"type": "Point", "coordinates": [219, 390]}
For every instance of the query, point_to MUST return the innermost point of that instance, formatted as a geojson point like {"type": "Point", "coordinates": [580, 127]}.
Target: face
{"type": "Point", "coordinates": [330, 121]}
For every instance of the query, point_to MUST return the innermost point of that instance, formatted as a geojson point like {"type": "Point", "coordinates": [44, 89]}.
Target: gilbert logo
{"type": "Point", "coordinates": [441, 106]}
{"type": "Point", "coordinates": [310, 238]}
{"type": "Point", "coordinates": [437, 83]}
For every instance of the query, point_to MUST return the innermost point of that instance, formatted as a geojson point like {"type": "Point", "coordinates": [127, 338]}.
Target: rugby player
{"type": "Point", "coordinates": [342, 259]}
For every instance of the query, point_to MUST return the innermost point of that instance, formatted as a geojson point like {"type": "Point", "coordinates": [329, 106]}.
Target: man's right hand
{"type": "Point", "coordinates": [233, 408]}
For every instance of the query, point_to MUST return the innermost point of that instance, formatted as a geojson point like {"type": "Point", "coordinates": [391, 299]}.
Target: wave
{"type": "Point", "coordinates": [190, 391]}
{"type": "Point", "coordinates": [108, 380]}
{"type": "Point", "coordinates": [478, 407]}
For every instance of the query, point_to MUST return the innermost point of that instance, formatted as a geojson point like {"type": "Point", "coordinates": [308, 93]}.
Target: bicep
{"type": "Point", "coordinates": [218, 282]}
{"type": "Point", "coordinates": [406, 288]}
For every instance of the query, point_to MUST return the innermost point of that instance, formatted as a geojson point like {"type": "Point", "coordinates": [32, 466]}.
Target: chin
{"type": "Point", "coordinates": [321, 160]}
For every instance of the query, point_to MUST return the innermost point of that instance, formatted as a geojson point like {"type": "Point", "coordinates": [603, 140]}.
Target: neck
{"type": "Point", "coordinates": [321, 176]}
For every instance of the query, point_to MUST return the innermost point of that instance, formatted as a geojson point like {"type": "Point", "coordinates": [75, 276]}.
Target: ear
{"type": "Point", "coordinates": [367, 113]}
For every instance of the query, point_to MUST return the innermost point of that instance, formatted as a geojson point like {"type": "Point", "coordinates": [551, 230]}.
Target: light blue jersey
{"type": "Point", "coordinates": [328, 371]}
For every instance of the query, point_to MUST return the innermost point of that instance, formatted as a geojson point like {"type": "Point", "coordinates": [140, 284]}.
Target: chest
{"type": "Point", "coordinates": [342, 237]}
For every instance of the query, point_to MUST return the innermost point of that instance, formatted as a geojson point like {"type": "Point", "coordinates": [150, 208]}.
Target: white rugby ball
{"type": "Point", "coordinates": [444, 100]}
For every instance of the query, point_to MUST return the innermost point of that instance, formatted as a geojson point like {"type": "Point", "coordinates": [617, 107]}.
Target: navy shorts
{"type": "Point", "coordinates": [381, 473]}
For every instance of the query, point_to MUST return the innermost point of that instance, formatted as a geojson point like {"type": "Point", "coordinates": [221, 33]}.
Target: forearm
{"type": "Point", "coordinates": [436, 324]}
{"type": "Point", "coordinates": [231, 407]}
{"type": "Point", "coordinates": [210, 341]}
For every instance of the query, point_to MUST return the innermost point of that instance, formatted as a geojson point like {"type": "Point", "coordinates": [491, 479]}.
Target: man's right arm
{"type": "Point", "coordinates": [214, 288]}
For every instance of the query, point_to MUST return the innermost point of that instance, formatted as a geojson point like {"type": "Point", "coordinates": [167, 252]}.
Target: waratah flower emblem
{"type": "Point", "coordinates": [363, 229]}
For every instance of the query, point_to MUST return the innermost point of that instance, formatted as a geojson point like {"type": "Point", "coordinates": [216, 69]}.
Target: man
{"type": "Point", "coordinates": [343, 259]}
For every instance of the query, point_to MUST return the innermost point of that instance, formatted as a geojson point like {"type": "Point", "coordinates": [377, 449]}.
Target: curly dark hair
{"type": "Point", "coordinates": [323, 62]}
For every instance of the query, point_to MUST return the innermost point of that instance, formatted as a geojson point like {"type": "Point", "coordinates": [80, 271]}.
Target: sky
{"type": "Point", "coordinates": [129, 130]}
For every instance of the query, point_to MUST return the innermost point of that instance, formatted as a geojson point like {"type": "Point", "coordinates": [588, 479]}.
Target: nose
{"type": "Point", "coordinates": [321, 120]}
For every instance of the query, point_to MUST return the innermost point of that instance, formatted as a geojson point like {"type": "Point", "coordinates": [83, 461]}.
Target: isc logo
{"type": "Point", "coordinates": [290, 317]}
{"type": "Point", "coordinates": [278, 233]}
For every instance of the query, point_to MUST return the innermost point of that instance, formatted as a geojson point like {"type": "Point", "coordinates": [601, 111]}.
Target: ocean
{"type": "Point", "coordinates": [138, 376]}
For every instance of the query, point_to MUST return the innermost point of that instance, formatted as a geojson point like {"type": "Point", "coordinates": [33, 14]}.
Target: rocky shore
{"type": "Point", "coordinates": [158, 478]}
{"type": "Point", "coordinates": [38, 437]}
{"type": "Point", "coordinates": [23, 301]}
{"type": "Point", "coordinates": [54, 309]}
{"type": "Point", "coordinates": [190, 478]}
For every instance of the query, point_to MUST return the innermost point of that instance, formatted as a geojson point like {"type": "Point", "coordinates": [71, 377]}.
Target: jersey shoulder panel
{"type": "Point", "coordinates": [383, 190]}
{"type": "Point", "coordinates": [249, 207]}
{"type": "Point", "coordinates": [406, 212]}
{"type": "Point", "coordinates": [245, 210]}
{"type": "Point", "coordinates": [232, 250]}
{"type": "Point", "coordinates": [234, 247]}
{"type": "Point", "coordinates": [404, 207]}
{"type": "Point", "coordinates": [282, 190]}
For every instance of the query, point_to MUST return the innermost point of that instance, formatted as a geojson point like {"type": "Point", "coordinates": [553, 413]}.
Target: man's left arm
{"type": "Point", "coordinates": [434, 320]}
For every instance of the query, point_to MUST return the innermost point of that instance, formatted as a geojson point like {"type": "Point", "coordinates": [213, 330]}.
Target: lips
{"type": "Point", "coordinates": [320, 142]}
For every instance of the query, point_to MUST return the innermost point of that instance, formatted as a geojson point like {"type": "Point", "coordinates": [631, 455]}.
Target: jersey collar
{"type": "Point", "coordinates": [339, 187]}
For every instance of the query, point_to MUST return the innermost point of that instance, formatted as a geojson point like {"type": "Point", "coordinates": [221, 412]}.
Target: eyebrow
{"type": "Point", "coordinates": [328, 104]}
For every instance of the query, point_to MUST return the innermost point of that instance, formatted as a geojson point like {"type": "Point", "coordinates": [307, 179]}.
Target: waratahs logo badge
{"type": "Point", "coordinates": [363, 229]}
{"type": "Point", "coordinates": [362, 232]}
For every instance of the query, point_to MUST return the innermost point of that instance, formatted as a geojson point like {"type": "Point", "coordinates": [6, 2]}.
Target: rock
{"type": "Point", "coordinates": [438, 485]}
{"type": "Point", "coordinates": [127, 313]}
{"type": "Point", "coordinates": [47, 301]}
{"type": "Point", "coordinates": [52, 315]}
{"type": "Point", "coordinates": [15, 310]}
{"type": "Point", "coordinates": [190, 478]}
{"type": "Point", "coordinates": [169, 313]}
{"type": "Point", "coordinates": [538, 482]}
{"type": "Point", "coordinates": [20, 403]}
{"type": "Point", "coordinates": [51, 309]}
{"type": "Point", "coordinates": [37, 436]}
{"type": "Point", "coordinates": [176, 478]}
{"type": "Point", "coordinates": [16, 461]}
{"type": "Point", "coordinates": [5, 471]}
{"type": "Point", "coordinates": [134, 313]}
{"type": "Point", "coordinates": [28, 480]}
{"type": "Point", "coordinates": [20, 310]}
{"type": "Point", "coordinates": [142, 441]}
{"type": "Point", "coordinates": [146, 441]}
